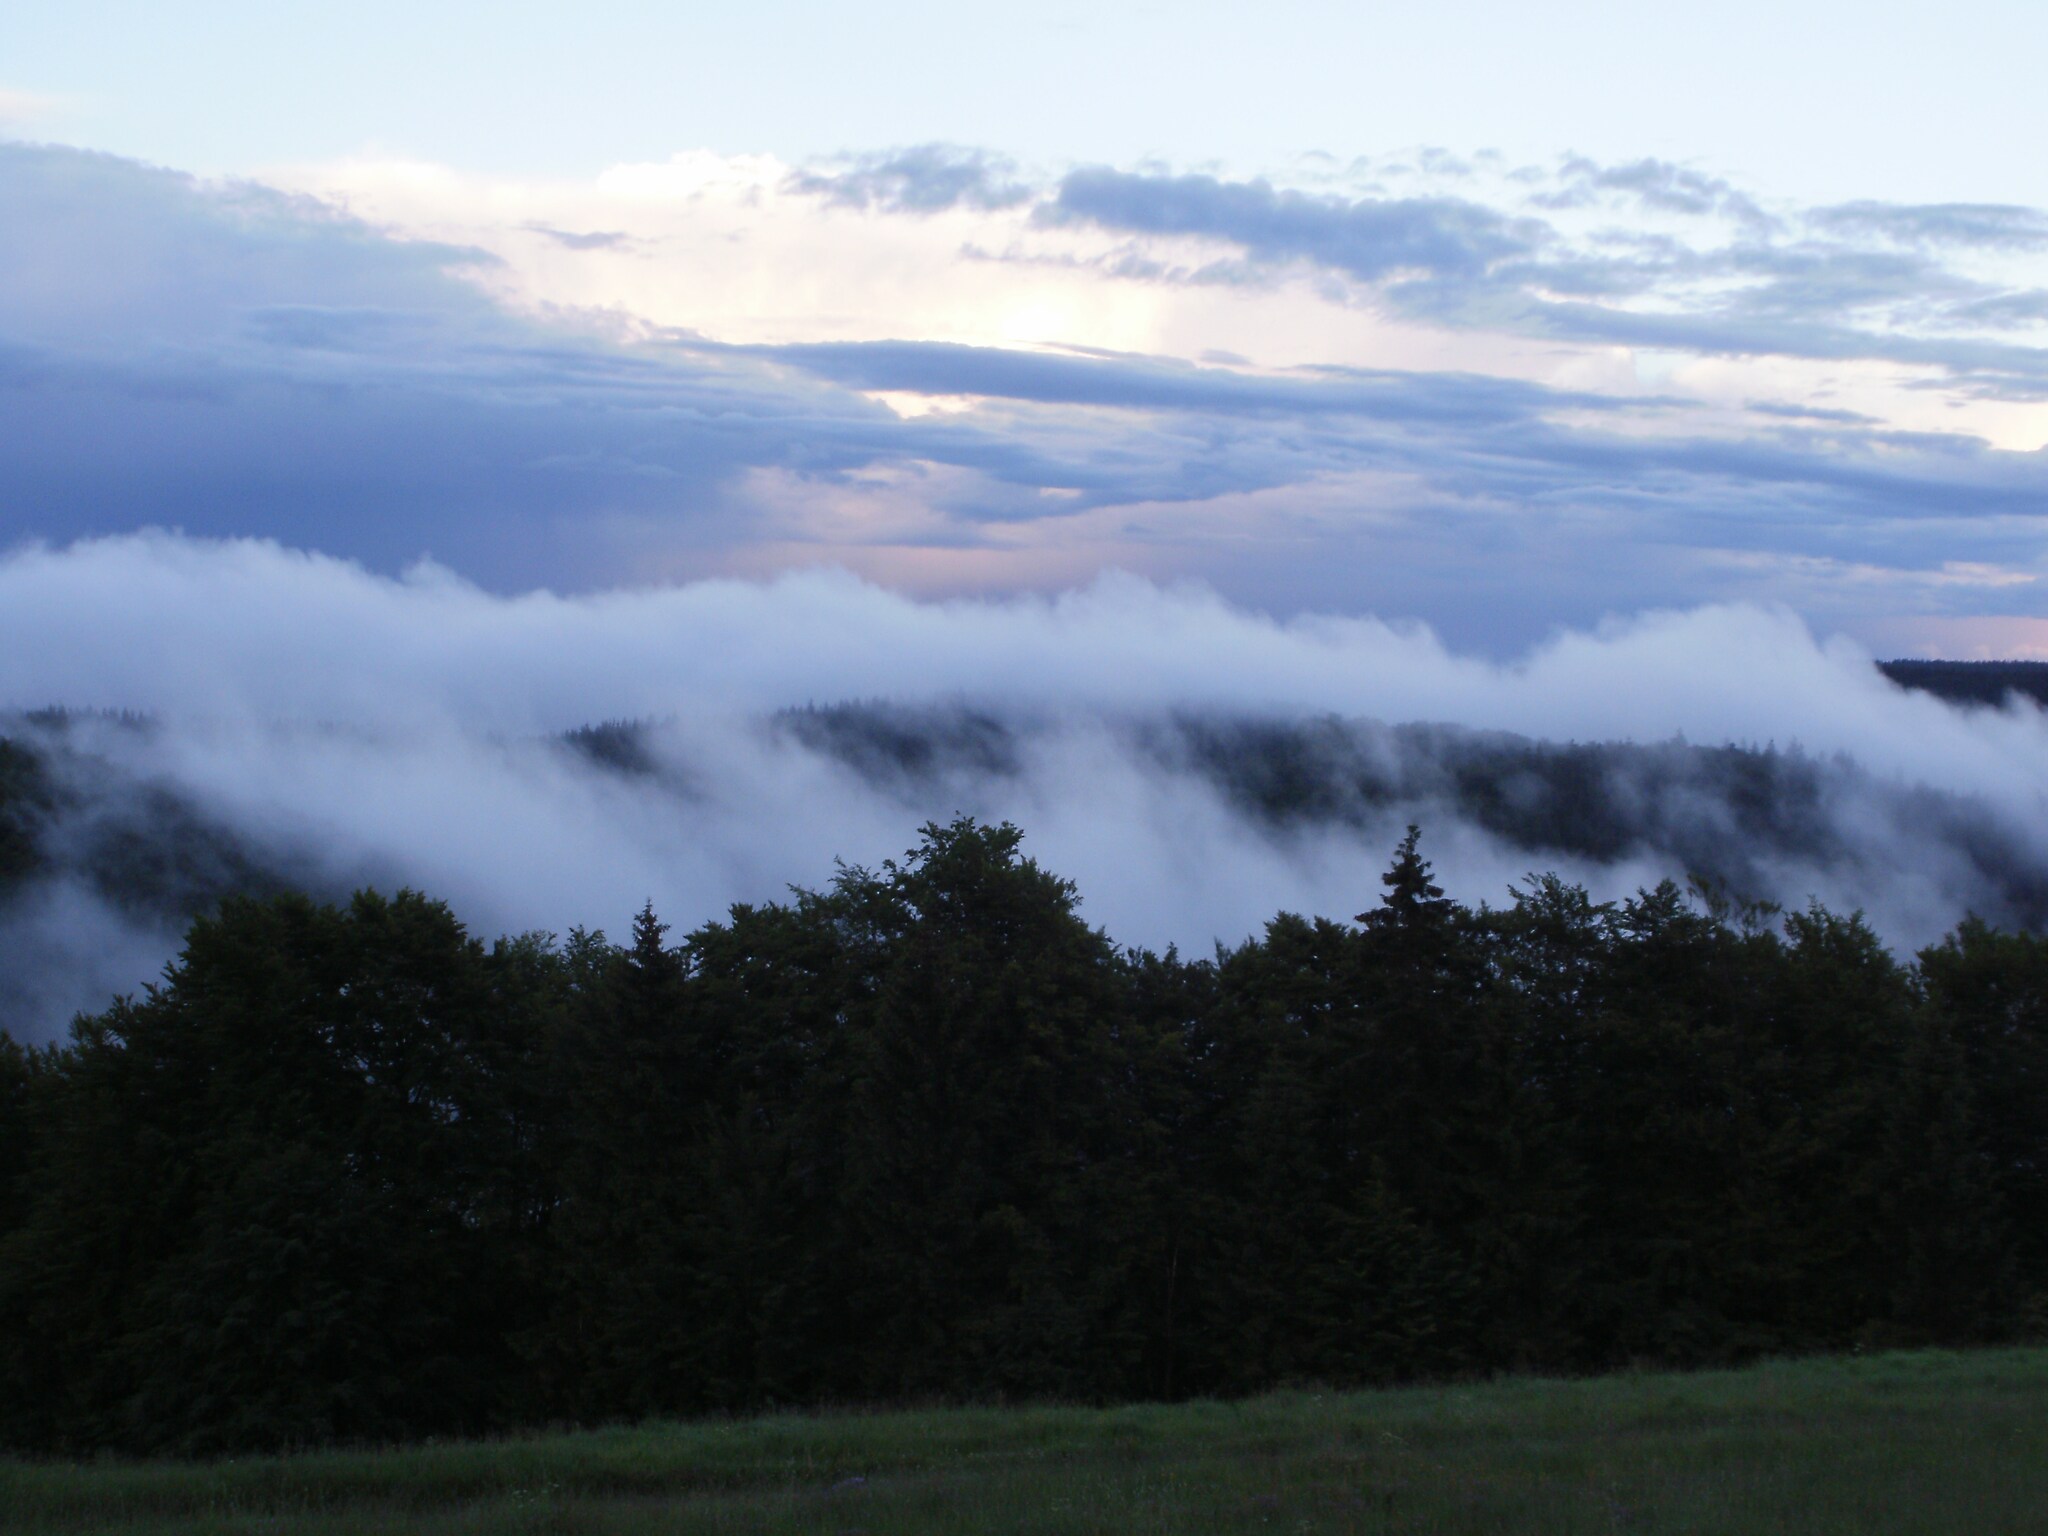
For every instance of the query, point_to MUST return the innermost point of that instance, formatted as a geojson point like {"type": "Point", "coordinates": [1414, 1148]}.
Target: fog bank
{"type": "Point", "coordinates": [311, 724]}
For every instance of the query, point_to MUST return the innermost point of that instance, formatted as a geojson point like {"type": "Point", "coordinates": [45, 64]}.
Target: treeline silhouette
{"type": "Point", "coordinates": [350, 1175]}
{"type": "Point", "coordinates": [1972, 682]}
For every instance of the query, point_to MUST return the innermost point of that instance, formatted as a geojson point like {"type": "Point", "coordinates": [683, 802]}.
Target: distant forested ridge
{"type": "Point", "coordinates": [116, 825]}
{"type": "Point", "coordinates": [69, 809]}
{"type": "Point", "coordinates": [1972, 682]}
{"type": "Point", "coordinates": [87, 800]}
{"type": "Point", "coordinates": [351, 1174]}
{"type": "Point", "coordinates": [1724, 815]}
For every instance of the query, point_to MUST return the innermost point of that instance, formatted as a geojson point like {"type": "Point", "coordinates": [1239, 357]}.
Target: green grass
{"type": "Point", "coordinates": [1924, 1442]}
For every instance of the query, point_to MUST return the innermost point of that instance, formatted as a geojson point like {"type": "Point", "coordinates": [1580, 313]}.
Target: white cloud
{"type": "Point", "coordinates": [248, 629]}
{"type": "Point", "coordinates": [380, 729]}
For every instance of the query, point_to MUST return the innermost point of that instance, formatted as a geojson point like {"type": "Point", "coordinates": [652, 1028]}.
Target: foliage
{"type": "Point", "coordinates": [347, 1175]}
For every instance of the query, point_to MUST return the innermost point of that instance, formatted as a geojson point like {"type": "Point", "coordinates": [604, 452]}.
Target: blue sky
{"type": "Point", "coordinates": [1840, 98]}
{"type": "Point", "coordinates": [1504, 318]}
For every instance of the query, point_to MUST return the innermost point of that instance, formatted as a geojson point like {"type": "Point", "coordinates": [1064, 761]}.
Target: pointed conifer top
{"type": "Point", "coordinates": [1412, 897]}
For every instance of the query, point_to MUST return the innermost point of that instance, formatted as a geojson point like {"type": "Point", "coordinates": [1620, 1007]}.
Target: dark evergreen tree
{"type": "Point", "coordinates": [1427, 1094]}
{"type": "Point", "coordinates": [1989, 995]}
{"type": "Point", "coordinates": [260, 1220]}
{"type": "Point", "coordinates": [637, 1081]}
{"type": "Point", "coordinates": [984, 1106]}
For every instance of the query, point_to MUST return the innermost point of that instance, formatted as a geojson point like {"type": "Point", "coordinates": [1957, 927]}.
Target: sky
{"type": "Point", "coordinates": [1500, 320]}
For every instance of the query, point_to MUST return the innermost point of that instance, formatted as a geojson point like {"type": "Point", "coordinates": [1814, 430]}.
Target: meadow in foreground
{"type": "Point", "coordinates": [1907, 1442]}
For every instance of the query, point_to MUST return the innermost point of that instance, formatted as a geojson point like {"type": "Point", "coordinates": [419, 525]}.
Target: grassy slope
{"type": "Point", "coordinates": [1891, 1443]}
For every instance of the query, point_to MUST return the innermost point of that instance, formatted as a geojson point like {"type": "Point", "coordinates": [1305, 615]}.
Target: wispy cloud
{"type": "Point", "coordinates": [1994, 225]}
{"type": "Point", "coordinates": [584, 240]}
{"type": "Point", "coordinates": [1368, 238]}
{"type": "Point", "coordinates": [925, 178]}
{"type": "Point", "coordinates": [1857, 281]}
{"type": "Point", "coordinates": [1655, 184]}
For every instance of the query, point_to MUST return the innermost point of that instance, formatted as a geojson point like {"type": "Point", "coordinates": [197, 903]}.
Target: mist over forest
{"type": "Point", "coordinates": [116, 830]}
{"type": "Point", "coordinates": [190, 718]}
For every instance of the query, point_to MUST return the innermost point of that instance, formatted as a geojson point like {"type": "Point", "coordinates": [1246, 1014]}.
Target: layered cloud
{"type": "Point", "coordinates": [1494, 398]}
{"type": "Point", "coordinates": [1855, 282]}
{"type": "Point", "coordinates": [1369, 237]}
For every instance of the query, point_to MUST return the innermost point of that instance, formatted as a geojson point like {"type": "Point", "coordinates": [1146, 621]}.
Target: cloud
{"type": "Point", "coordinates": [2000, 226]}
{"type": "Point", "coordinates": [592, 240]}
{"type": "Point", "coordinates": [1368, 238]}
{"type": "Point", "coordinates": [1998, 311]}
{"type": "Point", "coordinates": [1813, 413]}
{"type": "Point", "coordinates": [1658, 185]}
{"type": "Point", "coordinates": [109, 257]}
{"type": "Point", "coordinates": [1459, 261]}
{"type": "Point", "coordinates": [251, 629]}
{"type": "Point", "coordinates": [344, 726]}
{"type": "Point", "coordinates": [926, 178]}
{"type": "Point", "coordinates": [1142, 383]}
{"type": "Point", "coordinates": [231, 360]}
{"type": "Point", "coordinates": [1493, 437]}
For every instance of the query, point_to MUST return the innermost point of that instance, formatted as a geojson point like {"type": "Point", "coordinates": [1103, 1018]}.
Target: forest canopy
{"type": "Point", "coordinates": [349, 1173]}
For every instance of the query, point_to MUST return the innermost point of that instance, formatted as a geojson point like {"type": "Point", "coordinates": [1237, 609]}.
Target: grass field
{"type": "Point", "coordinates": [1883, 1443]}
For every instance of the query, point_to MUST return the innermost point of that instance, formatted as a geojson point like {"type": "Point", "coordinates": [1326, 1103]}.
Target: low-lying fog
{"type": "Point", "coordinates": [1192, 767]}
